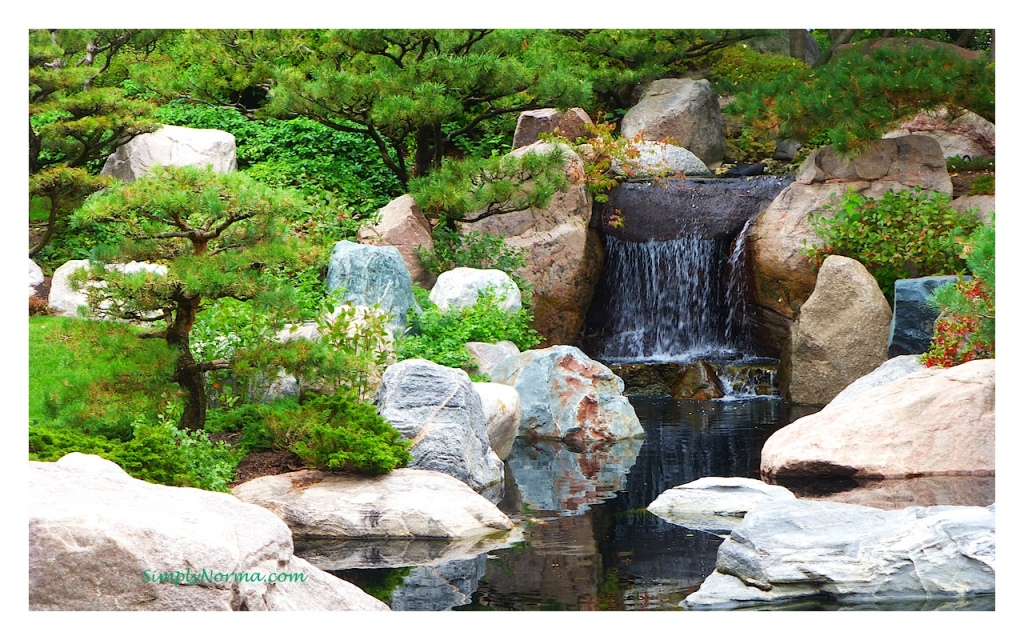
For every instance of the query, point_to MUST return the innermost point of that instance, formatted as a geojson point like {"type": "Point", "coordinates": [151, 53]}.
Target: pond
{"type": "Point", "coordinates": [589, 543]}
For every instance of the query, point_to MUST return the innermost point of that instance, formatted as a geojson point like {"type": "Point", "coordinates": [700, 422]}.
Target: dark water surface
{"type": "Point", "coordinates": [589, 542]}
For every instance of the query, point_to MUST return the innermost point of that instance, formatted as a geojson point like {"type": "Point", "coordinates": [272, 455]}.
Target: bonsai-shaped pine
{"type": "Point", "coordinates": [218, 235]}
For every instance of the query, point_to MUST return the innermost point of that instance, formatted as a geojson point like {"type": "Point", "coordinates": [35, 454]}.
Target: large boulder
{"type": "Point", "coordinates": [714, 504]}
{"type": "Point", "coordinates": [439, 410]}
{"type": "Point", "coordinates": [840, 335]}
{"type": "Point", "coordinates": [65, 300]}
{"type": "Point", "coordinates": [402, 225]}
{"type": "Point", "coordinates": [101, 540]}
{"type": "Point", "coordinates": [791, 549]}
{"type": "Point", "coordinates": [502, 411]}
{"type": "Point", "coordinates": [460, 288]}
{"type": "Point", "coordinates": [983, 207]}
{"type": "Point", "coordinates": [913, 316]}
{"type": "Point", "coordinates": [783, 276]}
{"type": "Point", "coordinates": [932, 422]}
{"type": "Point", "coordinates": [684, 109]}
{"type": "Point", "coordinates": [567, 396]}
{"type": "Point", "coordinates": [570, 123]}
{"type": "Point", "coordinates": [406, 503]}
{"type": "Point", "coordinates": [172, 146]}
{"type": "Point", "coordinates": [563, 254]}
{"type": "Point", "coordinates": [961, 134]}
{"type": "Point", "coordinates": [891, 369]}
{"type": "Point", "coordinates": [371, 275]}
{"type": "Point", "coordinates": [659, 159]}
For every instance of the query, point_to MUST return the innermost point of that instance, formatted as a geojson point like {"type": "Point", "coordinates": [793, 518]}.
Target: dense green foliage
{"type": "Point", "coordinates": [305, 155]}
{"type": "Point", "coordinates": [111, 404]}
{"type": "Point", "coordinates": [856, 97]}
{"type": "Point", "coordinates": [966, 328]}
{"type": "Point", "coordinates": [77, 117]}
{"type": "Point", "coordinates": [334, 433]}
{"type": "Point", "coordinates": [903, 234]}
{"type": "Point", "coordinates": [441, 336]}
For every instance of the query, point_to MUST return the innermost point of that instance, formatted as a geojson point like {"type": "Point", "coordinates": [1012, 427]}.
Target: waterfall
{"type": "Point", "coordinates": [671, 300]}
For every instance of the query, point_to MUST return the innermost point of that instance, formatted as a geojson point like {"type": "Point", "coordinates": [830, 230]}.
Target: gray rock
{"type": "Point", "coordinates": [683, 109]}
{"type": "Point", "coordinates": [35, 277]}
{"type": "Point", "coordinates": [439, 410]}
{"type": "Point", "coordinates": [839, 336]}
{"type": "Point", "coordinates": [566, 395]}
{"type": "Point", "coordinates": [406, 503]}
{"type": "Point", "coordinates": [892, 369]}
{"type": "Point", "coordinates": [913, 318]}
{"type": "Point", "coordinates": [94, 531]}
{"type": "Point", "coordinates": [371, 275]}
{"type": "Point", "coordinates": [172, 146]}
{"type": "Point", "coordinates": [983, 207]}
{"type": "Point", "coordinates": [500, 403]}
{"type": "Point", "coordinates": [441, 587]}
{"type": "Point", "coordinates": [658, 159]}
{"type": "Point", "coordinates": [488, 355]}
{"type": "Point", "coordinates": [966, 134]}
{"type": "Point", "coordinates": [554, 476]}
{"type": "Point", "coordinates": [790, 549]}
{"type": "Point", "coordinates": [462, 286]}
{"type": "Point", "coordinates": [786, 150]}
{"type": "Point", "coordinates": [715, 504]}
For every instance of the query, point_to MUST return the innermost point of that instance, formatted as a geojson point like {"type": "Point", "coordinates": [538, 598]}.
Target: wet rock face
{"type": "Point", "coordinates": [671, 208]}
{"type": "Point", "coordinates": [790, 549]}
{"type": "Point", "coordinates": [698, 381]}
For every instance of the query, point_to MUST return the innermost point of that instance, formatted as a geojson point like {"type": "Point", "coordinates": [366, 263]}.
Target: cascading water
{"type": "Point", "coordinates": [675, 307]}
{"type": "Point", "coordinates": [674, 285]}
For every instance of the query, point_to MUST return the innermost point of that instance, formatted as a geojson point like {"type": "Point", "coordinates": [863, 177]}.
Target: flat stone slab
{"type": "Point", "coordinates": [712, 504]}
{"type": "Point", "coordinates": [406, 503]}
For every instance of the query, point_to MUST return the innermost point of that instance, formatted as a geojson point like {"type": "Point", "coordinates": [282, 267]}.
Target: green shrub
{"type": "Point", "coordinates": [157, 452]}
{"type": "Point", "coordinates": [983, 186]}
{"type": "Point", "coordinates": [962, 163]}
{"type": "Point", "coordinates": [738, 68]}
{"type": "Point", "coordinates": [441, 336]}
{"type": "Point", "coordinates": [966, 327]}
{"type": "Point", "coordinates": [339, 432]}
{"type": "Point", "coordinates": [903, 234]}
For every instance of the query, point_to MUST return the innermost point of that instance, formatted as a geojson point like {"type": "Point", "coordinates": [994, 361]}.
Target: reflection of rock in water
{"type": "Point", "coordinates": [556, 477]}
{"type": "Point", "coordinates": [559, 568]}
{"type": "Point", "coordinates": [351, 553]}
{"type": "Point", "coordinates": [900, 493]}
{"type": "Point", "coordinates": [440, 587]}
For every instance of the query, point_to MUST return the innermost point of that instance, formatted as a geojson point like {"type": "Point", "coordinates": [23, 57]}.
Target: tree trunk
{"type": "Point", "coordinates": [798, 44]}
{"type": "Point", "coordinates": [837, 37]}
{"type": "Point", "coordinates": [429, 149]}
{"type": "Point", "coordinates": [187, 372]}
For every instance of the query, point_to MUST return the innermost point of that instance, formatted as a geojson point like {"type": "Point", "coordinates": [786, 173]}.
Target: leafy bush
{"type": "Point", "coordinates": [904, 234]}
{"type": "Point", "coordinates": [157, 452]}
{"type": "Point", "coordinates": [738, 68]}
{"type": "Point", "coordinates": [339, 432]}
{"type": "Point", "coordinates": [983, 186]}
{"type": "Point", "coordinates": [966, 328]}
{"type": "Point", "coordinates": [441, 336]}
